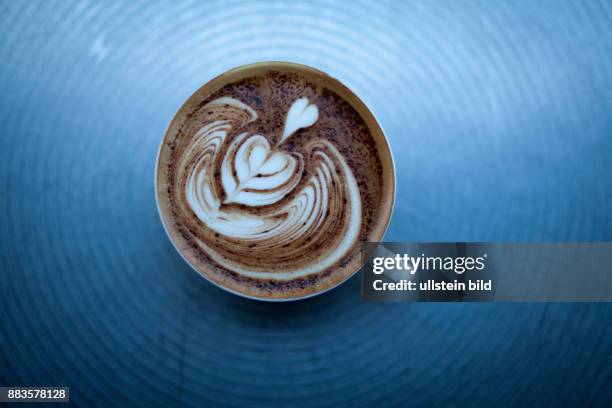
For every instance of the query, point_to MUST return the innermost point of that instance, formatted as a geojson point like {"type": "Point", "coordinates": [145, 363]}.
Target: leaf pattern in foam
{"type": "Point", "coordinates": [253, 174]}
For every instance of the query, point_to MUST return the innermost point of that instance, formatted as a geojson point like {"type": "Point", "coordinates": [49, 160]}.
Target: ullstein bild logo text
{"type": "Point", "coordinates": [400, 264]}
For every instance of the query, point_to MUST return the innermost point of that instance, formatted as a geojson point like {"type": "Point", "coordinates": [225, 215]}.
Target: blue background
{"type": "Point", "coordinates": [500, 118]}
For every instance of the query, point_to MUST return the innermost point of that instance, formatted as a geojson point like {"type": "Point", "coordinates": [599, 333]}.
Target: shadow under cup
{"type": "Point", "coordinates": [378, 225]}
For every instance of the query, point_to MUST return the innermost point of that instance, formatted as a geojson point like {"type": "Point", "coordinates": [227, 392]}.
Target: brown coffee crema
{"type": "Point", "coordinates": [271, 183]}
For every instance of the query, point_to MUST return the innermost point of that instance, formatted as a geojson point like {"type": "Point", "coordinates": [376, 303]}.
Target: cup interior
{"type": "Point", "coordinates": [383, 217]}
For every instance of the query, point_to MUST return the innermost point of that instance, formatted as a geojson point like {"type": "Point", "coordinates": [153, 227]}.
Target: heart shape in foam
{"type": "Point", "coordinates": [253, 174]}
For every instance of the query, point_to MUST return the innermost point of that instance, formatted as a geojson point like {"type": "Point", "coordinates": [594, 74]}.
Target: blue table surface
{"type": "Point", "coordinates": [499, 115]}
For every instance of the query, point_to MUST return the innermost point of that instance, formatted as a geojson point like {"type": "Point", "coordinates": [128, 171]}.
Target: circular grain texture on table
{"type": "Point", "coordinates": [499, 118]}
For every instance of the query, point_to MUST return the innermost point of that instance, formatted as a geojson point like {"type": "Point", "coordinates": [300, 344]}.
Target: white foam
{"type": "Point", "coordinates": [300, 115]}
{"type": "Point", "coordinates": [233, 103]}
{"type": "Point", "coordinates": [252, 174]}
{"type": "Point", "coordinates": [255, 174]}
{"type": "Point", "coordinates": [303, 215]}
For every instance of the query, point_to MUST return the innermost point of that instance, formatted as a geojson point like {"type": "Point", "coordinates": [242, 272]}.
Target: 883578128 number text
{"type": "Point", "coordinates": [34, 394]}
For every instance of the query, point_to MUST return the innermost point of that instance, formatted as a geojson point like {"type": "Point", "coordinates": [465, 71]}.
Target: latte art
{"type": "Point", "coordinates": [270, 177]}
{"type": "Point", "coordinates": [299, 211]}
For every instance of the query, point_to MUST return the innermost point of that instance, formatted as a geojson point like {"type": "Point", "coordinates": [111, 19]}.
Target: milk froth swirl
{"type": "Point", "coordinates": [260, 210]}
